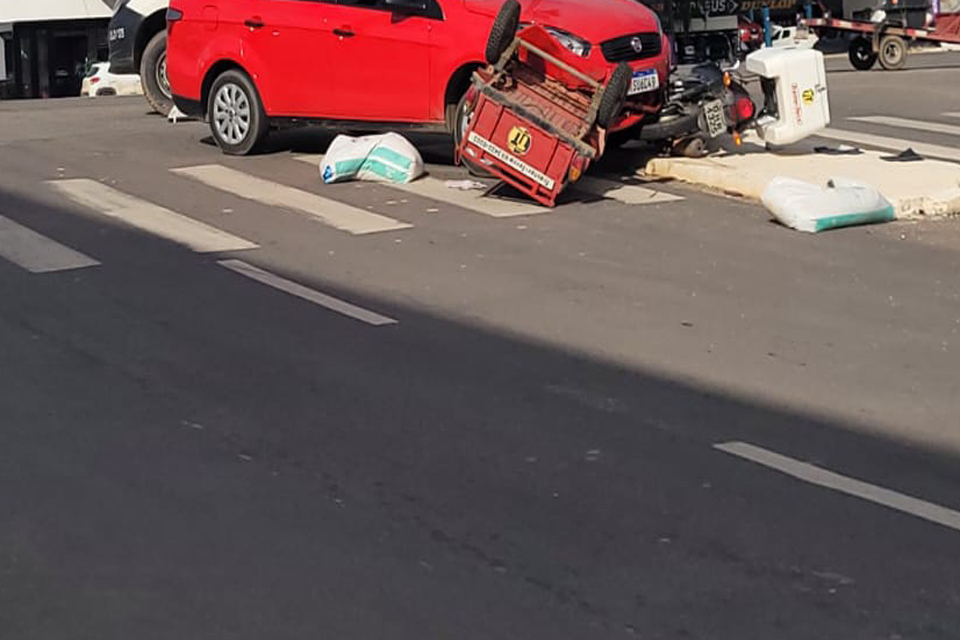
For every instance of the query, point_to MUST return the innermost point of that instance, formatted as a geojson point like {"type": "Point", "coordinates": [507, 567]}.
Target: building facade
{"type": "Point", "coordinates": [49, 44]}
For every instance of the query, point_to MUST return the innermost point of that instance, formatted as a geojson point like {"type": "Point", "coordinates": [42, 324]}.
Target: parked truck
{"type": "Point", "coordinates": [138, 44]}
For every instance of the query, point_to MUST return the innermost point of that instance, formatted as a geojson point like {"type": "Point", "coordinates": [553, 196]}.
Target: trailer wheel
{"type": "Point", "coordinates": [504, 30]}
{"type": "Point", "coordinates": [614, 95]}
{"type": "Point", "coordinates": [861, 54]}
{"type": "Point", "coordinates": [893, 53]}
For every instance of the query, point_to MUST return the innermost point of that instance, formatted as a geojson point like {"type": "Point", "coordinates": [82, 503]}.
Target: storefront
{"type": "Point", "coordinates": [48, 45]}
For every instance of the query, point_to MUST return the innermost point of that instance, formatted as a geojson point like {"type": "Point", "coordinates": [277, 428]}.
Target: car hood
{"type": "Point", "coordinates": [595, 20]}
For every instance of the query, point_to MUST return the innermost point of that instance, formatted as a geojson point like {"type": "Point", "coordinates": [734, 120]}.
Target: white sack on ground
{"type": "Point", "coordinates": [382, 158]}
{"type": "Point", "coordinates": [842, 203]}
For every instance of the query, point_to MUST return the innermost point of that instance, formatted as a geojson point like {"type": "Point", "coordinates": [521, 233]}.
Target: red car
{"type": "Point", "coordinates": [245, 65]}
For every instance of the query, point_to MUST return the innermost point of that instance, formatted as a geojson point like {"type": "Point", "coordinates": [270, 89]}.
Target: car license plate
{"type": "Point", "coordinates": [644, 81]}
{"type": "Point", "coordinates": [713, 114]}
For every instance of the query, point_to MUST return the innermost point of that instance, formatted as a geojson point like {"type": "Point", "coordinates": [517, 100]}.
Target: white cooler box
{"type": "Point", "coordinates": [801, 93]}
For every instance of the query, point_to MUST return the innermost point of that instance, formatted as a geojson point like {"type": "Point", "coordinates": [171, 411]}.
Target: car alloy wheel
{"type": "Point", "coordinates": [231, 114]}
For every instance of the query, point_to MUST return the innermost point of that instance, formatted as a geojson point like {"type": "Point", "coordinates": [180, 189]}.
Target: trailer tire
{"type": "Point", "coordinates": [893, 53]}
{"type": "Point", "coordinates": [504, 30]}
{"type": "Point", "coordinates": [614, 95]}
{"type": "Point", "coordinates": [861, 54]}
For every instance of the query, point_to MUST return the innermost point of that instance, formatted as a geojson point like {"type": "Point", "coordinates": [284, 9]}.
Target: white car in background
{"type": "Point", "coordinates": [101, 82]}
{"type": "Point", "coordinates": [791, 38]}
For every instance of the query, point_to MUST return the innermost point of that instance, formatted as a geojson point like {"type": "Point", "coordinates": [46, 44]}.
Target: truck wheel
{"type": "Point", "coordinates": [893, 53]}
{"type": "Point", "coordinates": [237, 119]}
{"type": "Point", "coordinates": [861, 54]}
{"type": "Point", "coordinates": [504, 30]}
{"type": "Point", "coordinates": [153, 75]}
{"type": "Point", "coordinates": [614, 95]}
{"type": "Point", "coordinates": [460, 123]}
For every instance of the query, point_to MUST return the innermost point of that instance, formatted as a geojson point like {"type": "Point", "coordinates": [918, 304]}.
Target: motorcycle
{"type": "Point", "coordinates": [703, 103]}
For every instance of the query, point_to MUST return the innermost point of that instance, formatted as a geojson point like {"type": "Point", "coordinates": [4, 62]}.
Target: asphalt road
{"type": "Point", "coordinates": [557, 425]}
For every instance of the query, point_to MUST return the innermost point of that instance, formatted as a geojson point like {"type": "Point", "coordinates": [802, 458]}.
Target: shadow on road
{"type": "Point", "coordinates": [186, 453]}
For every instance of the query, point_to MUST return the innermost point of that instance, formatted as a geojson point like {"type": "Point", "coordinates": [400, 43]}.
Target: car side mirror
{"type": "Point", "coordinates": [413, 6]}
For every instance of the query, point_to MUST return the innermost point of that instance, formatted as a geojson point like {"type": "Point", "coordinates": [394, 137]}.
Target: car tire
{"type": "Point", "coordinates": [861, 54]}
{"type": "Point", "coordinates": [461, 120]}
{"type": "Point", "coordinates": [153, 75]}
{"type": "Point", "coordinates": [893, 53]}
{"type": "Point", "coordinates": [614, 95]}
{"type": "Point", "coordinates": [237, 119]}
{"type": "Point", "coordinates": [504, 30]}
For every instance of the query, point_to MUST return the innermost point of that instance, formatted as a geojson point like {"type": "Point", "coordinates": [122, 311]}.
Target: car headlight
{"type": "Point", "coordinates": [575, 44]}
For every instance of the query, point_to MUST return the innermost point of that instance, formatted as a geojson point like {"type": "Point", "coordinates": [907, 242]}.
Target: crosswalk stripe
{"type": "Point", "coordinates": [435, 189]}
{"type": "Point", "coordinates": [331, 212]}
{"type": "Point", "coordinates": [625, 193]}
{"type": "Point", "coordinates": [37, 253]}
{"type": "Point", "coordinates": [150, 217]}
{"type": "Point", "coordinates": [953, 114]}
{"type": "Point", "coordinates": [305, 293]}
{"type": "Point", "coordinates": [895, 144]}
{"type": "Point", "coordinates": [906, 123]}
{"type": "Point", "coordinates": [473, 200]}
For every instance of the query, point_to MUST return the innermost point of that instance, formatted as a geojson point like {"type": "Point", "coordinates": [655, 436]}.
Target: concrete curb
{"type": "Point", "coordinates": [927, 189]}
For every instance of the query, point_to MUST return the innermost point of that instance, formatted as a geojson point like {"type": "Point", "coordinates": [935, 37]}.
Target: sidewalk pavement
{"type": "Point", "coordinates": [928, 188]}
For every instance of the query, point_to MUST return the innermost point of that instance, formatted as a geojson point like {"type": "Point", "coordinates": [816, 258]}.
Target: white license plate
{"type": "Point", "coordinates": [713, 114]}
{"type": "Point", "coordinates": [643, 81]}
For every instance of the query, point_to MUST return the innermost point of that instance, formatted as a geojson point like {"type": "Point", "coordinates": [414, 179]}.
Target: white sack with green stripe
{"type": "Point", "coordinates": [382, 158]}
{"type": "Point", "coordinates": [842, 203]}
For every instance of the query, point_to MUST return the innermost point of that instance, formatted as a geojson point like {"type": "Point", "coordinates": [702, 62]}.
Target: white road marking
{"type": "Point", "coordinates": [335, 214]}
{"type": "Point", "coordinates": [953, 114]}
{"type": "Point", "coordinates": [894, 144]}
{"type": "Point", "coordinates": [150, 217]}
{"type": "Point", "coordinates": [288, 286]}
{"type": "Point", "coordinates": [625, 193]}
{"type": "Point", "coordinates": [850, 486]}
{"type": "Point", "coordinates": [37, 253]}
{"type": "Point", "coordinates": [906, 123]}
{"type": "Point", "coordinates": [435, 189]}
{"type": "Point", "coordinates": [473, 200]}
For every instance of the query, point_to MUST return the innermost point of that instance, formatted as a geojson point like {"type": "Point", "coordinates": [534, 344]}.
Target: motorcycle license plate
{"type": "Point", "coordinates": [643, 81]}
{"type": "Point", "coordinates": [713, 114]}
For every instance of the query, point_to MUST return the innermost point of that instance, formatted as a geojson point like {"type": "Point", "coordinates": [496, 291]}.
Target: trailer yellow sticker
{"type": "Point", "coordinates": [519, 140]}
{"type": "Point", "coordinates": [511, 160]}
{"type": "Point", "coordinates": [808, 96]}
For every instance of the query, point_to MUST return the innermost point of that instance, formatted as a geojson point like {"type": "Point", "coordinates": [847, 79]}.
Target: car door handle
{"type": "Point", "coordinates": [254, 23]}
{"type": "Point", "coordinates": [343, 33]}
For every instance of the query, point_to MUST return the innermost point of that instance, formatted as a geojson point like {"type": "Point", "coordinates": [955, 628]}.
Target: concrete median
{"type": "Point", "coordinates": [927, 188]}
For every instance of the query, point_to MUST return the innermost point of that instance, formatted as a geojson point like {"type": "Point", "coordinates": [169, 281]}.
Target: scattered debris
{"type": "Point", "coordinates": [465, 185]}
{"type": "Point", "coordinates": [808, 207]}
{"type": "Point", "coordinates": [839, 150]}
{"type": "Point", "coordinates": [907, 155]}
{"type": "Point", "coordinates": [176, 116]}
